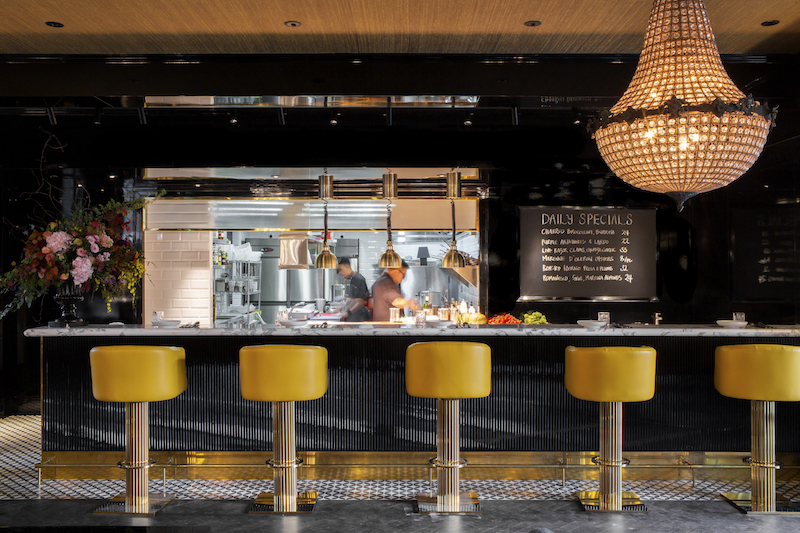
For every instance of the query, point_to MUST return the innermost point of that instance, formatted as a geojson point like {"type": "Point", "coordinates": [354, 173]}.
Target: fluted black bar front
{"type": "Point", "coordinates": [367, 408]}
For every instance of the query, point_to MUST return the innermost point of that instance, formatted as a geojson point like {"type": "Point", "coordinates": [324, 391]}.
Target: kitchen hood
{"type": "Point", "coordinates": [294, 251]}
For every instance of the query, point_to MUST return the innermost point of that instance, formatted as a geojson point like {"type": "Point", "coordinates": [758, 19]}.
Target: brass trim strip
{"type": "Point", "coordinates": [409, 465]}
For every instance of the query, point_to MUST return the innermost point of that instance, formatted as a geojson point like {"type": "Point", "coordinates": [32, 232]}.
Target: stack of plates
{"type": "Point", "coordinates": [731, 324]}
{"type": "Point", "coordinates": [166, 323]}
{"type": "Point", "coordinates": [292, 323]}
{"type": "Point", "coordinates": [592, 324]}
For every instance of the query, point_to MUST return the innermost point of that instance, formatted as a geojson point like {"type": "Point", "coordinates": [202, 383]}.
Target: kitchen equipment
{"type": "Point", "coordinates": [301, 311]}
{"type": "Point", "coordinates": [394, 314]}
{"type": "Point", "coordinates": [320, 304]}
{"type": "Point", "coordinates": [337, 292]}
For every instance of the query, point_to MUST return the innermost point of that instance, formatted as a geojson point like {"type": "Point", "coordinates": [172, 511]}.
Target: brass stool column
{"type": "Point", "coordinates": [610, 376]}
{"type": "Point", "coordinates": [283, 374]}
{"type": "Point", "coordinates": [137, 375]}
{"type": "Point", "coordinates": [448, 371]}
{"type": "Point", "coordinates": [763, 374]}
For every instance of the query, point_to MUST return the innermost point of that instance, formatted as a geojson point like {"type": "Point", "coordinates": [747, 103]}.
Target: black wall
{"type": "Point", "coordinates": [531, 151]}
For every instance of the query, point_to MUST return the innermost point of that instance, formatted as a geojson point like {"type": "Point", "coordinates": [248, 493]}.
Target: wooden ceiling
{"type": "Point", "coordinates": [373, 26]}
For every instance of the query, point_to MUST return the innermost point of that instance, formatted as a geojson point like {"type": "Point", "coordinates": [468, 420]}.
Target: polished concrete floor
{"type": "Point", "coordinates": [196, 516]}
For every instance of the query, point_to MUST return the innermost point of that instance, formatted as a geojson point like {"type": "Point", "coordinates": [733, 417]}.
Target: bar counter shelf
{"type": "Point", "coordinates": [368, 426]}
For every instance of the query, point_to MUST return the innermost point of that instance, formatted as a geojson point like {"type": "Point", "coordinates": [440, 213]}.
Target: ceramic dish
{"type": "Point", "coordinates": [292, 323]}
{"type": "Point", "coordinates": [166, 324]}
{"type": "Point", "coordinates": [438, 323]}
{"type": "Point", "coordinates": [731, 324]}
{"type": "Point", "coordinates": [591, 324]}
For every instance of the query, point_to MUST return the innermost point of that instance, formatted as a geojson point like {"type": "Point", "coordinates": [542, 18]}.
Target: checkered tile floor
{"type": "Point", "coordinates": [20, 450]}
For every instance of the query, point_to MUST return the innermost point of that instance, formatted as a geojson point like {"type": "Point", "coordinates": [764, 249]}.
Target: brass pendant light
{"type": "Point", "coordinates": [390, 258]}
{"type": "Point", "coordinates": [682, 127]}
{"type": "Point", "coordinates": [326, 259]}
{"type": "Point", "coordinates": [453, 258]}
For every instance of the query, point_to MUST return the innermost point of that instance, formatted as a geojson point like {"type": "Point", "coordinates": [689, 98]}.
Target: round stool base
{"type": "Point", "coordinates": [590, 500]}
{"type": "Point", "coordinates": [265, 504]}
{"type": "Point", "coordinates": [743, 502]}
{"type": "Point", "coordinates": [116, 505]}
{"type": "Point", "coordinates": [468, 503]}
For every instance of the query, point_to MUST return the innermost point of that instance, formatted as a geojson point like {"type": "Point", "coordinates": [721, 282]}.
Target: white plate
{"type": "Point", "coordinates": [292, 323]}
{"type": "Point", "coordinates": [439, 323]}
{"type": "Point", "coordinates": [591, 324]}
{"type": "Point", "coordinates": [166, 324]}
{"type": "Point", "coordinates": [731, 324]}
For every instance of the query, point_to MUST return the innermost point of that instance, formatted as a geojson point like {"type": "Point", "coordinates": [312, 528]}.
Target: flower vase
{"type": "Point", "coordinates": [67, 296]}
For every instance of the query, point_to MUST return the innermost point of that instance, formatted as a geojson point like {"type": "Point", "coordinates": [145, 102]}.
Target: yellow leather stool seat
{"type": "Point", "coordinates": [283, 372]}
{"type": "Point", "coordinates": [449, 370]}
{"type": "Point", "coordinates": [611, 374]}
{"type": "Point", "coordinates": [766, 372]}
{"type": "Point", "coordinates": [137, 373]}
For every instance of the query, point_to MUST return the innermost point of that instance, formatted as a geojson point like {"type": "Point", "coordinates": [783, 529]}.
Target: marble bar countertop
{"type": "Point", "coordinates": [369, 330]}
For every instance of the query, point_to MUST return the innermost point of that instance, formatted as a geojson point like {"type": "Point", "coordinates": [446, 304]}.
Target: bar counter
{"type": "Point", "coordinates": [367, 409]}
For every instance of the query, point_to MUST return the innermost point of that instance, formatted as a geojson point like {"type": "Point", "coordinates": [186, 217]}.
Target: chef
{"type": "Point", "coordinates": [356, 294]}
{"type": "Point", "coordinates": [386, 293]}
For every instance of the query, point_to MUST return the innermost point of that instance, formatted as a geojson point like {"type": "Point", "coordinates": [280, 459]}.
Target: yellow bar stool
{"type": "Point", "coordinates": [137, 375]}
{"type": "Point", "coordinates": [610, 376]}
{"type": "Point", "coordinates": [763, 374]}
{"type": "Point", "coordinates": [448, 371]}
{"type": "Point", "coordinates": [283, 374]}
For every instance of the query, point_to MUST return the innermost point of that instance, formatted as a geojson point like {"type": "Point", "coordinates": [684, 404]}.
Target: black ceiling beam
{"type": "Point", "coordinates": [583, 75]}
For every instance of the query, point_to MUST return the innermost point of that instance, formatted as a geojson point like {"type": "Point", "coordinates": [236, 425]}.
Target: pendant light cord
{"type": "Point", "coordinates": [453, 209]}
{"type": "Point", "coordinates": [325, 235]}
{"type": "Point", "coordinates": [389, 222]}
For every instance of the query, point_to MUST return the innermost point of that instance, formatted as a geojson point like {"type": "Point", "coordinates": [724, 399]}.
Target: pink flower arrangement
{"type": "Point", "coordinates": [91, 249]}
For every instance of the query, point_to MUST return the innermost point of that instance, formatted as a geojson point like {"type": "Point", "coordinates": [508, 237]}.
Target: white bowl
{"type": "Point", "coordinates": [591, 324]}
{"type": "Point", "coordinates": [292, 323]}
{"type": "Point", "coordinates": [166, 323]}
{"type": "Point", "coordinates": [731, 324]}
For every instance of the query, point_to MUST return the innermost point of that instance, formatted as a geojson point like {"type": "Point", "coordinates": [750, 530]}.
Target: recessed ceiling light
{"type": "Point", "coordinates": [275, 176]}
{"type": "Point", "coordinates": [770, 22]}
{"type": "Point", "coordinates": [292, 23]}
{"type": "Point", "coordinates": [112, 176]}
{"type": "Point", "coordinates": [54, 24]}
{"type": "Point", "coordinates": [197, 185]}
{"type": "Point", "coordinates": [532, 23]}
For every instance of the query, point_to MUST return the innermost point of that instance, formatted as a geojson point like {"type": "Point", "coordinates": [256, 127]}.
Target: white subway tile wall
{"type": "Point", "coordinates": [178, 276]}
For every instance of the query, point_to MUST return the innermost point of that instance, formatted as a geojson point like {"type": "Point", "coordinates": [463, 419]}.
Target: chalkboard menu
{"type": "Point", "coordinates": [593, 253]}
{"type": "Point", "coordinates": [766, 253]}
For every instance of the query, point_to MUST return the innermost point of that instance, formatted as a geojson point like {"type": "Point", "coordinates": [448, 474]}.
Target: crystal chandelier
{"type": "Point", "coordinates": [682, 127]}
